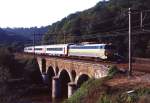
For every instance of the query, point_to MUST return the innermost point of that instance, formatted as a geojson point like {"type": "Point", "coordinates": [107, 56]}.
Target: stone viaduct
{"type": "Point", "coordinates": [64, 76]}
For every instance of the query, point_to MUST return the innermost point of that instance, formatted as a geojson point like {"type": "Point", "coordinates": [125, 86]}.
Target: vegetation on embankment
{"type": "Point", "coordinates": [16, 76]}
{"type": "Point", "coordinates": [85, 90]}
{"type": "Point", "coordinates": [98, 91]}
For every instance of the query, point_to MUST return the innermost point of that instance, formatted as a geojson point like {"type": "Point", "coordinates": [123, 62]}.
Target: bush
{"type": "Point", "coordinates": [85, 90]}
{"type": "Point", "coordinates": [104, 99]}
{"type": "Point", "coordinates": [6, 57]}
{"type": "Point", "coordinates": [4, 76]}
{"type": "Point", "coordinates": [112, 71]}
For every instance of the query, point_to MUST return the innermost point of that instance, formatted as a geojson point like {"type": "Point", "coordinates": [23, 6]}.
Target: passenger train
{"type": "Point", "coordinates": [101, 51]}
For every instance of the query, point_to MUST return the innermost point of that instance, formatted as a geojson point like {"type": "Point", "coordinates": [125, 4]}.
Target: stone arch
{"type": "Point", "coordinates": [50, 74]}
{"type": "Point", "coordinates": [43, 61]}
{"type": "Point", "coordinates": [73, 74]}
{"type": "Point", "coordinates": [81, 79]}
{"type": "Point", "coordinates": [70, 76]}
{"type": "Point", "coordinates": [64, 79]}
{"type": "Point", "coordinates": [55, 69]}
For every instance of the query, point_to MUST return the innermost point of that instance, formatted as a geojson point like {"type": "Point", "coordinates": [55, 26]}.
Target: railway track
{"type": "Point", "coordinates": [138, 64]}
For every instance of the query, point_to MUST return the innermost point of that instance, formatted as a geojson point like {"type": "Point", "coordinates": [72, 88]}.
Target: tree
{"type": "Point", "coordinates": [6, 58]}
{"type": "Point", "coordinates": [4, 76]}
{"type": "Point", "coordinates": [31, 72]}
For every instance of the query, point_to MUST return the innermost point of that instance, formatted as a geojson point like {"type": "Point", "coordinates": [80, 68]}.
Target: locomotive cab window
{"type": "Point", "coordinates": [109, 47]}
{"type": "Point", "coordinates": [101, 47]}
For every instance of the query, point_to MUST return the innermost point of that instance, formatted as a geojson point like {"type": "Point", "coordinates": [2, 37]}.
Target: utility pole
{"type": "Point", "coordinates": [141, 20]}
{"type": "Point", "coordinates": [64, 37]}
{"type": "Point", "coordinates": [34, 44]}
{"type": "Point", "coordinates": [130, 60]}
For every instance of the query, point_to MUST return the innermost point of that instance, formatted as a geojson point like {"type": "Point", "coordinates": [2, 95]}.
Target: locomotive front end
{"type": "Point", "coordinates": [109, 51]}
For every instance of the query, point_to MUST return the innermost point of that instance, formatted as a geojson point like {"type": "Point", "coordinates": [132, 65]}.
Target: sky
{"type": "Point", "coordinates": [30, 13]}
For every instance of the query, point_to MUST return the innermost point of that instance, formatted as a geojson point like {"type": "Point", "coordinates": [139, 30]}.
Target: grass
{"type": "Point", "coordinates": [138, 95]}
{"type": "Point", "coordinates": [107, 95]}
{"type": "Point", "coordinates": [88, 86]}
{"type": "Point", "coordinates": [85, 90]}
{"type": "Point", "coordinates": [112, 71]}
{"type": "Point", "coordinates": [97, 91]}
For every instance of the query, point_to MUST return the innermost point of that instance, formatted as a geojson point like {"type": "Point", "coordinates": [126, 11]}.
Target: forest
{"type": "Point", "coordinates": [106, 22]}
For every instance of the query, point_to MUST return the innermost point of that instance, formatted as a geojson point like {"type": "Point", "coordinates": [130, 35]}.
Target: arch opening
{"type": "Point", "coordinates": [82, 79]}
{"type": "Point", "coordinates": [73, 74]}
{"type": "Point", "coordinates": [50, 74]}
{"type": "Point", "coordinates": [57, 70]}
{"type": "Point", "coordinates": [43, 66]}
{"type": "Point", "coordinates": [64, 80]}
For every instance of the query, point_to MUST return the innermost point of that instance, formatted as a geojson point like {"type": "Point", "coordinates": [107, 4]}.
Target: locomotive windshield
{"type": "Point", "coordinates": [109, 47]}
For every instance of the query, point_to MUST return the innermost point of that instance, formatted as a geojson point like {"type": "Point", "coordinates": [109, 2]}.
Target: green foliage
{"type": "Point", "coordinates": [16, 76]}
{"type": "Point", "coordinates": [81, 92]}
{"type": "Point", "coordinates": [27, 69]}
{"type": "Point", "coordinates": [31, 71]}
{"type": "Point", "coordinates": [108, 95]}
{"type": "Point", "coordinates": [104, 99]}
{"type": "Point", "coordinates": [112, 71]}
{"type": "Point", "coordinates": [142, 91]}
{"type": "Point", "coordinates": [6, 58]}
{"type": "Point", "coordinates": [85, 90]}
{"type": "Point", "coordinates": [4, 74]}
{"type": "Point", "coordinates": [101, 20]}
{"type": "Point", "coordinates": [124, 97]}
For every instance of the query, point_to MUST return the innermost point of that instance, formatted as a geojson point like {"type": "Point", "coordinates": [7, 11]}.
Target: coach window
{"type": "Point", "coordinates": [29, 49]}
{"type": "Point", "coordinates": [54, 49]}
{"type": "Point", "coordinates": [38, 48]}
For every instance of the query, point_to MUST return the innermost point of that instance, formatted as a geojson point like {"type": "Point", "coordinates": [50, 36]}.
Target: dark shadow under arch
{"type": "Point", "coordinates": [73, 74]}
{"type": "Point", "coordinates": [57, 70]}
{"type": "Point", "coordinates": [82, 79]}
{"type": "Point", "coordinates": [64, 80]}
{"type": "Point", "coordinates": [43, 66]}
{"type": "Point", "coordinates": [50, 74]}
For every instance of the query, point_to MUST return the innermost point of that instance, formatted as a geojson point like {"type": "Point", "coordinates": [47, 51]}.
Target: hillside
{"type": "Point", "coordinates": [27, 32]}
{"type": "Point", "coordinates": [117, 89]}
{"type": "Point", "coordinates": [17, 38]}
{"type": "Point", "coordinates": [2, 35]}
{"type": "Point", "coordinates": [7, 39]}
{"type": "Point", "coordinates": [15, 42]}
{"type": "Point", "coordinates": [105, 22]}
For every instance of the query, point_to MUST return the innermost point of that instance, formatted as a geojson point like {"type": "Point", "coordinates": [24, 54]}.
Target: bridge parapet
{"type": "Point", "coordinates": [94, 70]}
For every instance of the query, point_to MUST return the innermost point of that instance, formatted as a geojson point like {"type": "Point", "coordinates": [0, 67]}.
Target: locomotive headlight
{"type": "Point", "coordinates": [106, 53]}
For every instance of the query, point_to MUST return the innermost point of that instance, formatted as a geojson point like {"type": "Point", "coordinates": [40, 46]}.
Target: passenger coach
{"type": "Point", "coordinates": [59, 49]}
{"type": "Point", "coordinates": [29, 49]}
